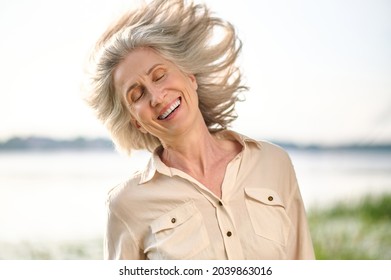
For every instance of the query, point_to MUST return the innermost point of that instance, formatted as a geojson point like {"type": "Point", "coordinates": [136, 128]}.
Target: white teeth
{"type": "Point", "coordinates": [169, 110]}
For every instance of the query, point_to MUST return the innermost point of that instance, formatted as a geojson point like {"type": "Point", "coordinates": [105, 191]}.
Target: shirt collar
{"type": "Point", "coordinates": [242, 139]}
{"type": "Point", "coordinates": [155, 164]}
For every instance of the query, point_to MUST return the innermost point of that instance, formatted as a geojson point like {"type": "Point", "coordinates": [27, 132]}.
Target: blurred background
{"type": "Point", "coordinates": [319, 77]}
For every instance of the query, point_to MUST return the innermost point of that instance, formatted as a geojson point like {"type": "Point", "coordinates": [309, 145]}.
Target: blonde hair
{"type": "Point", "coordinates": [184, 33]}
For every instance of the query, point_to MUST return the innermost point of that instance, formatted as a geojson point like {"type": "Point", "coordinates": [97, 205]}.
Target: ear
{"type": "Point", "coordinates": [193, 81]}
{"type": "Point", "coordinates": [137, 125]}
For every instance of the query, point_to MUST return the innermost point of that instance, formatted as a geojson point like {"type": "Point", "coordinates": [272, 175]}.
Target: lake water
{"type": "Point", "coordinates": [61, 195]}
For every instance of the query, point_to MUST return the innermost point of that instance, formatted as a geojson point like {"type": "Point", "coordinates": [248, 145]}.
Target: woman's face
{"type": "Point", "coordinates": [162, 99]}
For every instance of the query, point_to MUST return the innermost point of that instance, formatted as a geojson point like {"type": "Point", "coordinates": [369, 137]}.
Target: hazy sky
{"type": "Point", "coordinates": [318, 71]}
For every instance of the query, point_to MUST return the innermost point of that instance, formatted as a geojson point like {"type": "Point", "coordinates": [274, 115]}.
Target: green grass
{"type": "Point", "coordinates": [359, 231]}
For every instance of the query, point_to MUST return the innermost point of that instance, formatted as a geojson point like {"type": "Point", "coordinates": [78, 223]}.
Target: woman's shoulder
{"type": "Point", "coordinates": [269, 151]}
{"type": "Point", "coordinates": [261, 147]}
{"type": "Point", "coordinates": [264, 146]}
{"type": "Point", "coordinates": [124, 190]}
{"type": "Point", "coordinates": [273, 148]}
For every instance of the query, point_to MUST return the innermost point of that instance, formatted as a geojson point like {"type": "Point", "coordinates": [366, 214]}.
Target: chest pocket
{"type": "Point", "coordinates": [178, 234]}
{"type": "Point", "coordinates": [267, 214]}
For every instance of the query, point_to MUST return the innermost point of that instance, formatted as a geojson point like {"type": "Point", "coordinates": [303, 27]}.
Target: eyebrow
{"type": "Point", "coordinates": [153, 67]}
{"type": "Point", "coordinates": [148, 72]}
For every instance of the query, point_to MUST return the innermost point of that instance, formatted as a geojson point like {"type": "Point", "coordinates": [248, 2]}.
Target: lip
{"type": "Point", "coordinates": [165, 108]}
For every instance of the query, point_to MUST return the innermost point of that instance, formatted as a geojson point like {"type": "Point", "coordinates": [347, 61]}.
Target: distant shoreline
{"type": "Point", "coordinates": [50, 144]}
{"type": "Point", "coordinates": [82, 144]}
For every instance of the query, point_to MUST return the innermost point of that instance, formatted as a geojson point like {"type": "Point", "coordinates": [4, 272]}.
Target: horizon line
{"type": "Point", "coordinates": [43, 142]}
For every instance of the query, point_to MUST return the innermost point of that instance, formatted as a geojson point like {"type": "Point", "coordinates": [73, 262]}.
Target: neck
{"type": "Point", "coordinates": [193, 152]}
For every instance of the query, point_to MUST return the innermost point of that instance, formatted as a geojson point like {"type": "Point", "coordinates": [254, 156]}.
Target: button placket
{"type": "Point", "coordinates": [232, 243]}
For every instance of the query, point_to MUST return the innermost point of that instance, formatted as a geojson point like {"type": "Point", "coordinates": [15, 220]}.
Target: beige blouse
{"type": "Point", "coordinates": [163, 213]}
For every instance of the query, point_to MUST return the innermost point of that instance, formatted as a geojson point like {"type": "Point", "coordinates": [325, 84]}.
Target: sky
{"type": "Point", "coordinates": [319, 71]}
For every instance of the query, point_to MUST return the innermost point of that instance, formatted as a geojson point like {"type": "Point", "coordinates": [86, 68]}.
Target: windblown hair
{"type": "Point", "coordinates": [184, 33]}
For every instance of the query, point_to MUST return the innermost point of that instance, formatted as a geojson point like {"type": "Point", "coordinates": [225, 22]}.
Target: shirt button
{"type": "Point", "coordinates": [270, 198]}
{"type": "Point", "coordinates": [220, 203]}
{"type": "Point", "coordinates": [229, 233]}
{"type": "Point", "coordinates": [173, 220]}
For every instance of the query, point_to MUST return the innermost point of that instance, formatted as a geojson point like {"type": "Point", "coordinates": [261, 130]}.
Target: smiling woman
{"type": "Point", "coordinates": [207, 193]}
{"type": "Point", "coordinates": [157, 93]}
{"type": "Point", "coordinates": [188, 44]}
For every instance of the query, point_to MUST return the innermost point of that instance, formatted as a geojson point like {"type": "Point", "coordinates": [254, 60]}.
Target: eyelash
{"type": "Point", "coordinates": [142, 89]}
{"type": "Point", "coordinates": [160, 77]}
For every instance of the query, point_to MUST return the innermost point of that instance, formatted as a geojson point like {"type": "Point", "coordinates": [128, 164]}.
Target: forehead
{"type": "Point", "coordinates": [136, 64]}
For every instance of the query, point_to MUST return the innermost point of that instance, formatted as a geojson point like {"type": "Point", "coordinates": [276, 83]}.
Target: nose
{"type": "Point", "coordinates": [157, 96]}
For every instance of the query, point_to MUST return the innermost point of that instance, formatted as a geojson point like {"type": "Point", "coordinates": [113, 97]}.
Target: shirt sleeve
{"type": "Point", "coordinates": [300, 246]}
{"type": "Point", "coordinates": [119, 242]}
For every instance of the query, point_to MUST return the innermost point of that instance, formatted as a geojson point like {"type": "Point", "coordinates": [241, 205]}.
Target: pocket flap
{"type": "Point", "coordinates": [265, 196]}
{"type": "Point", "coordinates": [174, 218]}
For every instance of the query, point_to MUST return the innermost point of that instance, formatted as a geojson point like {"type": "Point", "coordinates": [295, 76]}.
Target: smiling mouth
{"type": "Point", "coordinates": [170, 110]}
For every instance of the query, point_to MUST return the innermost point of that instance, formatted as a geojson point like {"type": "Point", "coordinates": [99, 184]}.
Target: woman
{"type": "Point", "coordinates": [162, 82]}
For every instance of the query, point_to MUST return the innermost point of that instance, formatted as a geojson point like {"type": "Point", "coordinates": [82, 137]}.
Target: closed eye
{"type": "Point", "coordinates": [136, 93]}
{"type": "Point", "coordinates": [159, 74]}
{"type": "Point", "coordinates": [160, 77]}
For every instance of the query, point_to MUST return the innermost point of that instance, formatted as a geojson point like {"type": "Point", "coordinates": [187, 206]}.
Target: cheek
{"type": "Point", "coordinates": [192, 92]}
{"type": "Point", "coordinates": [140, 113]}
